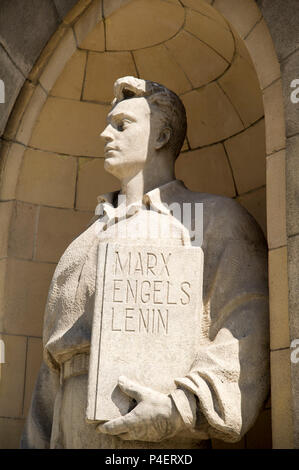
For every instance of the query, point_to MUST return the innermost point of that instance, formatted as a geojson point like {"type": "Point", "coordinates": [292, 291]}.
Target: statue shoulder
{"type": "Point", "coordinates": [224, 217]}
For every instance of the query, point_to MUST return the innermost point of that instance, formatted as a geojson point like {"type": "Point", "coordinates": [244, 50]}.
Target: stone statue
{"type": "Point", "coordinates": [227, 383]}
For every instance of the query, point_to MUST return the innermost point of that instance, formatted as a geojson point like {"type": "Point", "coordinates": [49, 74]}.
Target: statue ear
{"type": "Point", "coordinates": [163, 138]}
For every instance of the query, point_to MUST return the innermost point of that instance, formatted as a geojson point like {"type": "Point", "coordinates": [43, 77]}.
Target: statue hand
{"type": "Point", "coordinates": [153, 419]}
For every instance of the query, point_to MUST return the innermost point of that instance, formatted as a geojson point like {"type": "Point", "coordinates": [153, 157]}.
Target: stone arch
{"type": "Point", "coordinates": [31, 148]}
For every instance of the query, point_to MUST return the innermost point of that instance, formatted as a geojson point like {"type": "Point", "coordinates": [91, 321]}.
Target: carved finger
{"type": "Point", "coordinates": [115, 426]}
{"type": "Point", "coordinates": [132, 389]}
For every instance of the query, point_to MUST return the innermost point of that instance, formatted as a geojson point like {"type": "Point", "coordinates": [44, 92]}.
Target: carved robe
{"type": "Point", "coordinates": [228, 382]}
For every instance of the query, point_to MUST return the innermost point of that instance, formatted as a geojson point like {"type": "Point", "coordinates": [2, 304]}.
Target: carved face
{"type": "Point", "coordinates": [130, 137]}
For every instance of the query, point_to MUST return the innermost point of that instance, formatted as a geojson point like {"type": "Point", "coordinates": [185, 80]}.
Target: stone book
{"type": "Point", "coordinates": [148, 307]}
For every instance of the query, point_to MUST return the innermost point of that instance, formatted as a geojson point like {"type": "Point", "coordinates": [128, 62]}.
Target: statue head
{"type": "Point", "coordinates": [147, 123]}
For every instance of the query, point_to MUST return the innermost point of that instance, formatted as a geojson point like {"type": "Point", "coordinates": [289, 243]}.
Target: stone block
{"type": "Point", "coordinates": [206, 10]}
{"type": "Point", "coordinates": [26, 30]}
{"type": "Point", "coordinates": [293, 271]}
{"type": "Point", "coordinates": [10, 432]}
{"type": "Point", "coordinates": [142, 24]}
{"type": "Point", "coordinates": [241, 85]}
{"type": "Point", "coordinates": [260, 46]}
{"type": "Point", "coordinates": [3, 273]}
{"type": "Point", "coordinates": [12, 160]}
{"type": "Point", "coordinates": [13, 80]}
{"type": "Point", "coordinates": [64, 6]}
{"type": "Point", "coordinates": [6, 211]}
{"type": "Point", "coordinates": [30, 115]}
{"type": "Point", "coordinates": [283, 24]}
{"type": "Point", "coordinates": [260, 436]}
{"type": "Point", "coordinates": [88, 21]}
{"type": "Point", "coordinates": [70, 82]}
{"type": "Point", "coordinates": [278, 291]}
{"type": "Point", "coordinates": [157, 64]}
{"type": "Point", "coordinates": [242, 14]}
{"type": "Point", "coordinates": [241, 48]}
{"type": "Point", "coordinates": [13, 376]}
{"type": "Point", "coordinates": [276, 200]}
{"type": "Point", "coordinates": [62, 123]}
{"type": "Point", "coordinates": [47, 53]}
{"type": "Point", "coordinates": [64, 50]}
{"type": "Point", "coordinates": [76, 11]}
{"type": "Point", "coordinates": [290, 72]}
{"type": "Point", "coordinates": [33, 363]}
{"type": "Point", "coordinates": [95, 40]}
{"type": "Point", "coordinates": [93, 181]}
{"type": "Point", "coordinates": [211, 33]}
{"type": "Point", "coordinates": [274, 118]}
{"type": "Point", "coordinates": [18, 110]}
{"type": "Point", "coordinates": [247, 155]}
{"type": "Point", "coordinates": [210, 115]}
{"type": "Point", "coordinates": [292, 185]}
{"type": "Point", "coordinates": [110, 6]}
{"type": "Point", "coordinates": [188, 51]}
{"type": "Point", "coordinates": [47, 179]}
{"type": "Point", "coordinates": [26, 290]}
{"type": "Point", "coordinates": [102, 71]}
{"type": "Point", "coordinates": [206, 170]}
{"type": "Point", "coordinates": [22, 230]}
{"type": "Point", "coordinates": [56, 230]}
{"type": "Point", "coordinates": [281, 398]}
{"type": "Point", "coordinates": [255, 203]}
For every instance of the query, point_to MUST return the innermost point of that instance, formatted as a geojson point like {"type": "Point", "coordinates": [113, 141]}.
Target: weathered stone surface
{"type": "Point", "coordinates": [263, 54]}
{"type": "Point", "coordinates": [206, 170]}
{"type": "Point", "coordinates": [137, 331]}
{"type": "Point", "coordinates": [142, 24]}
{"type": "Point", "coordinates": [26, 287]}
{"type": "Point", "coordinates": [22, 230]}
{"type": "Point", "coordinates": [26, 28]}
{"type": "Point", "coordinates": [290, 72]}
{"type": "Point", "coordinates": [276, 200]}
{"type": "Point", "coordinates": [211, 116]}
{"type": "Point", "coordinates": [243, 14]}
{"type": "Point", "coordinates": [70, 82]}
{"type": "Point", "coordinates": [48, 179]}
{"type": "Point", "coordinates": [102, 70]}
{"type": "Point", "coordinates": [10, 432]}
{"type": "Point", "coordinates": [62, 123]}
{"type": "Point", "coordinates": [255, 203]}
{"type": "Point", "coordinates": [158, 64]}
{"type": "Point", "coordinates": [189, 50]}
{"type": "Point", "coordinates": [57, 228]}
{"type": "Point", "coordinates": [33, 363]}
{"type": "Point", "coordinates": [241, 85]}
{"type": "Point", "coordinates": [292, 185]}
{"type": "Point", "coordinates": [281, 399]}
{"type": "Point", "coordinates": [278, 286]}
{"type": "Point", "coordinates": [13, 80]}
{"type": "Point", "coordinates": [293, 269]}
{"type": "Point", "coordinates": [92, 181]}
{"type": "Point", "coordinates": [13, 376]}
{"type": "Point", "coordinates": [64, 6]}
{"type": "Point", "coordinates": [247, 154]}
{"type": "Point", "coordinates": [274, 118]}
{"type": "Point", "coordinates": [282, 20]}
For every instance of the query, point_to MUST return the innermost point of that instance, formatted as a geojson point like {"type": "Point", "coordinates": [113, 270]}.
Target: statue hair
{"type": "Point", "coordinates": [160, 98]}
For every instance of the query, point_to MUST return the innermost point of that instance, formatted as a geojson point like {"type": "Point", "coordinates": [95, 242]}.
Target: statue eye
{"type": "Point", "coordinates": [120, 126]}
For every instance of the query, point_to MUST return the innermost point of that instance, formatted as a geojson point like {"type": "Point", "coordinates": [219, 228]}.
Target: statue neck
{"type": "Point", "coordinates": [135, 187]}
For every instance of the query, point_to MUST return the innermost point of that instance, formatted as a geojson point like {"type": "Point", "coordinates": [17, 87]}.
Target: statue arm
{"type": "Point", "coordinates": [38, 428]}
{"type": "Point", "coordinates": [228, 381]}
